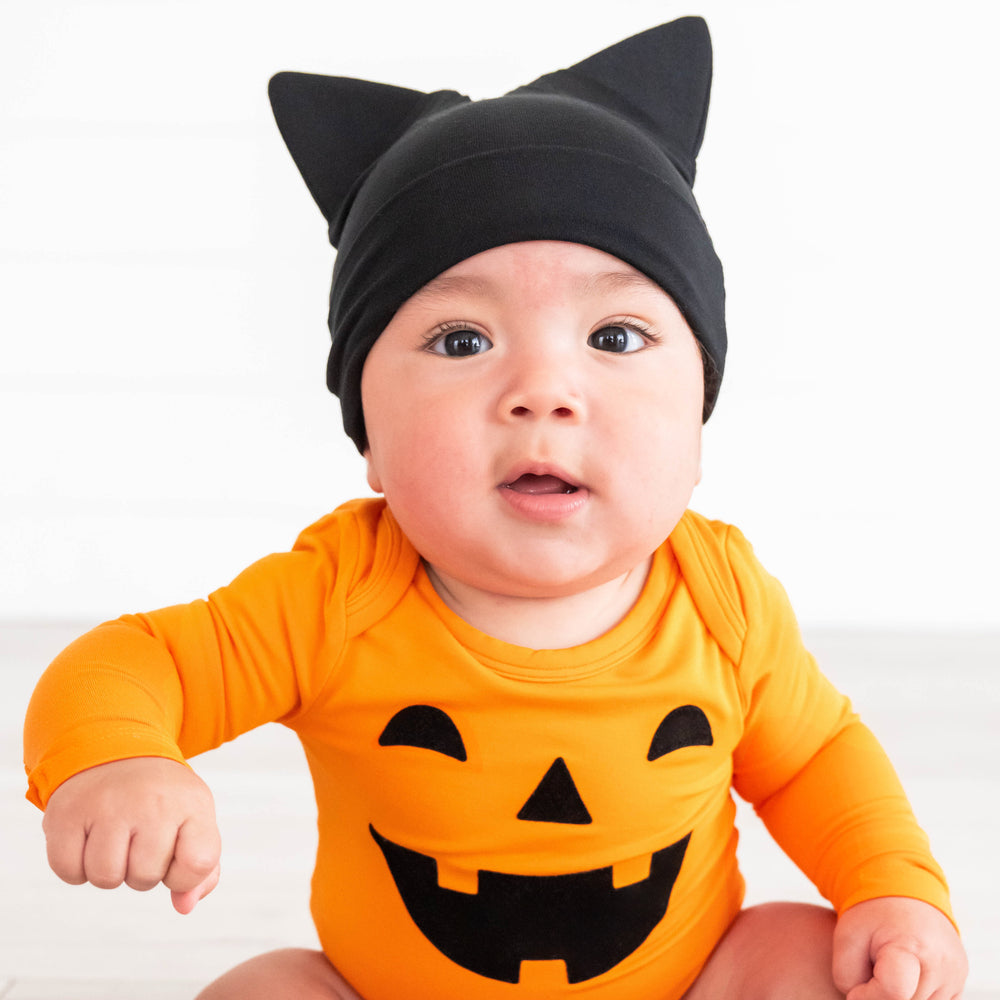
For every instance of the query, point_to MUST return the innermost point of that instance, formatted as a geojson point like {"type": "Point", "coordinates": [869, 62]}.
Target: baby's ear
{"type": "Point", "coordinates": [336, 128]}
{"type": "Point", "coordinates": [374, 480]}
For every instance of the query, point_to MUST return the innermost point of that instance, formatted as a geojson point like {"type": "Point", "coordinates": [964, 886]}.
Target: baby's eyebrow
{"type": "Point", "coordinates": [451, 284]}
{"type": "Point", "coordinates": [596, 284]}
{"type": "Point", "coordinates": [618, 281]}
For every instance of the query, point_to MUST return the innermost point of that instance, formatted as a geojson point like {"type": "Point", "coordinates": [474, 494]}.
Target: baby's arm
{"type": "Point", "coordinates": [896, 949]}
{"type": "Point", "coordinates": [115, 716]}
{"type": "Point", "coordinates": [140, 821]}
{"type": "Point", "coordinates": [845, 820]}
{"type": "Point", "coordinates": [830, 797]}
{"type": "Point", "coordinates": [177, 682]}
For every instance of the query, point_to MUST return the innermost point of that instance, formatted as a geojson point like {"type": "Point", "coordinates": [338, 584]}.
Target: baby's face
{"type": "Point", "coordinates": [534, 419]}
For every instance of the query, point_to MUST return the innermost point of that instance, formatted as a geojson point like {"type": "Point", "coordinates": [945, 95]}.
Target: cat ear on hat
{"type": "Point", "coordinates": [659, 79]}
{"type": "Point", "coordinates": [335, 128]}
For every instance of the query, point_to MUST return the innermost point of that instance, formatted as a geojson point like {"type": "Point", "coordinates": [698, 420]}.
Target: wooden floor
{"type": "Point", "coordinates": [933, 699]}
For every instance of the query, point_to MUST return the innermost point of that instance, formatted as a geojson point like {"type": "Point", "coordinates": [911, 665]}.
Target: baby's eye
{"type": "Point", "coordinates": [461, 343]}
{"type": "Point", "coordinates": [617, 339]}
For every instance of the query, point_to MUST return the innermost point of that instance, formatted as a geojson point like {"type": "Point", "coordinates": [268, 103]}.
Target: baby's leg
{"type": "Point", "coordinates": [289, 974]}
{"type": "Point", "coordinates": [772, 952]}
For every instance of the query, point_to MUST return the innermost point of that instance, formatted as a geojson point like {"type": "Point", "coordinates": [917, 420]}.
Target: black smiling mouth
{"type": "Point", "coordinates": [579, 918]}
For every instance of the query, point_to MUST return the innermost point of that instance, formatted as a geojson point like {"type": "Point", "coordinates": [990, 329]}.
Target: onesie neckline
{"type": "Point", "coordinates": [603, 653]}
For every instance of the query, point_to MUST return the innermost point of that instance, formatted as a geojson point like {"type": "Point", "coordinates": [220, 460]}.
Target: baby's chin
{"type": "Point", "coordinates": [532, 583]}
{"type": "Point", "coordinates": [543, 613]}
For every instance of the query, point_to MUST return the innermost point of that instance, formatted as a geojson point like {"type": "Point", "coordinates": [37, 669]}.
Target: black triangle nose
{"type": "Point", "coordinates": [556, 799]}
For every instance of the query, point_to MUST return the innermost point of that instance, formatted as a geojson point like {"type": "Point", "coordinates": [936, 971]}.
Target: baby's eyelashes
{"type": "Point", "coordinates": [619, 338]}
{"type": "Point", "coordinates": [458, 341]}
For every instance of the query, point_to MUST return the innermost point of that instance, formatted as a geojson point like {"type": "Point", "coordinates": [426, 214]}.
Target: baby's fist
{"type": "Point", "coordinates": [895, 948]}
{"type": "Point", "coordinates": [140, 821]}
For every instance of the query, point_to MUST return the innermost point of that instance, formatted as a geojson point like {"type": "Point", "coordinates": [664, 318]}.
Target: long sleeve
{"type": "Point", "coordinates": [814, 772]}
{"type": "Point", "coordinates": [845, 821]}
{"type": "Point", "coordinates": [178, 681]}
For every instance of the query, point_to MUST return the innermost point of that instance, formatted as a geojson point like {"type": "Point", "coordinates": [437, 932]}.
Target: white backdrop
{"type": "Point", "coordinates": [163, 418]}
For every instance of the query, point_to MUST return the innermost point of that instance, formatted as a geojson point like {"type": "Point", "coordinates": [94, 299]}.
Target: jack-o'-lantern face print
{"type": "Point", "coordinates": [580, 917]}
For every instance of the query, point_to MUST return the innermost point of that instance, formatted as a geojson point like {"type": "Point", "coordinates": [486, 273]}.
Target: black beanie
{"type": "Point", "coordinates": [411, 184]}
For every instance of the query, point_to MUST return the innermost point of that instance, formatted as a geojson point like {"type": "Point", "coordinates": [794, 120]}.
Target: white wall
{"type": "Point", "coordinates": [163, 418]}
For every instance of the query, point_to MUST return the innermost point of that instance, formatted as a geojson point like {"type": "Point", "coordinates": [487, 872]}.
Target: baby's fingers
{"type": "Point", "coordinates": [896, 976]}
{"type": "Point", "coordinates": [64, 844]}
{"type": "Point", "coordinates": [150, 855]}
{"type": "Point", "coordinates": [194, 869]}
{"type": "Point", "coordinates": [897, 970]}
{"type": "Point", "coordinates": [106, 855]}
{"type": "Point", "coordinates": [185, 902]}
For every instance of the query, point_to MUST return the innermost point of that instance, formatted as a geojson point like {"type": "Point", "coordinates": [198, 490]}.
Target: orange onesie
{"type": "Point", "coordinates": [497, 822]}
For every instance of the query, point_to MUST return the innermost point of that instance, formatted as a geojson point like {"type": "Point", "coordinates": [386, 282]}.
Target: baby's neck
{"type": "Point", "coordinates": [543, 622]}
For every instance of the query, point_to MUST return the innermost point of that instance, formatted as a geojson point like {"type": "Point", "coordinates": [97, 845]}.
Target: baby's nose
{"type": "Point", "coordinates": [542, 391]}
{"type": "Point", "coordinates": [521, 410]}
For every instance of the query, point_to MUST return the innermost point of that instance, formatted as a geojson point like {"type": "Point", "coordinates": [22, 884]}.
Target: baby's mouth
{"type": "Point", "coordinates": [539, 485]}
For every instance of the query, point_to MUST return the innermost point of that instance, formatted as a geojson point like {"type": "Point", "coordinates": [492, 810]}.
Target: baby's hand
{"type": "Point", "coordinates": [140, 821]}
{"type": "Point", "coordinates": [897, 949]}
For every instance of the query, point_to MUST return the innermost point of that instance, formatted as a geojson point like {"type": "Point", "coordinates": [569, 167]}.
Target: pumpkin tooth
{"type": "Point", "coordinates": [453, 877]}
{"type": "Point", "coordinates": [540, 975]}
{"type": "Point", "coordinates": [631, 872]}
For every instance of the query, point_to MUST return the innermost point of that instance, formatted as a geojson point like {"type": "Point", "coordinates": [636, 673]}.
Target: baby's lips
{"type": "Point", "coordinates": [539, 479]}
{"type": "Point", "coordinates": [537, 484]}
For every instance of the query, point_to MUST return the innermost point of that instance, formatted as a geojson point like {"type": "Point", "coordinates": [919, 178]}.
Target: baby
{"type": "Point", "coordinates": [528, 679]}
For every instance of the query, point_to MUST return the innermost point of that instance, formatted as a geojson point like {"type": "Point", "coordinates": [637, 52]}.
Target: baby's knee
{"type": "Point", "coordinates": [287, 974]}
{"type": "Point", "coordinates": [788, 929]}
{"type": "Point", "coordinates": [771, 952]}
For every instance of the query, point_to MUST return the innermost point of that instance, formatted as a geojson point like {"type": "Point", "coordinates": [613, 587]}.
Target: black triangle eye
{"type": "Point", "coordinates": [686, 726]}
{"type": "Point", "coordinates": [424, 726]}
